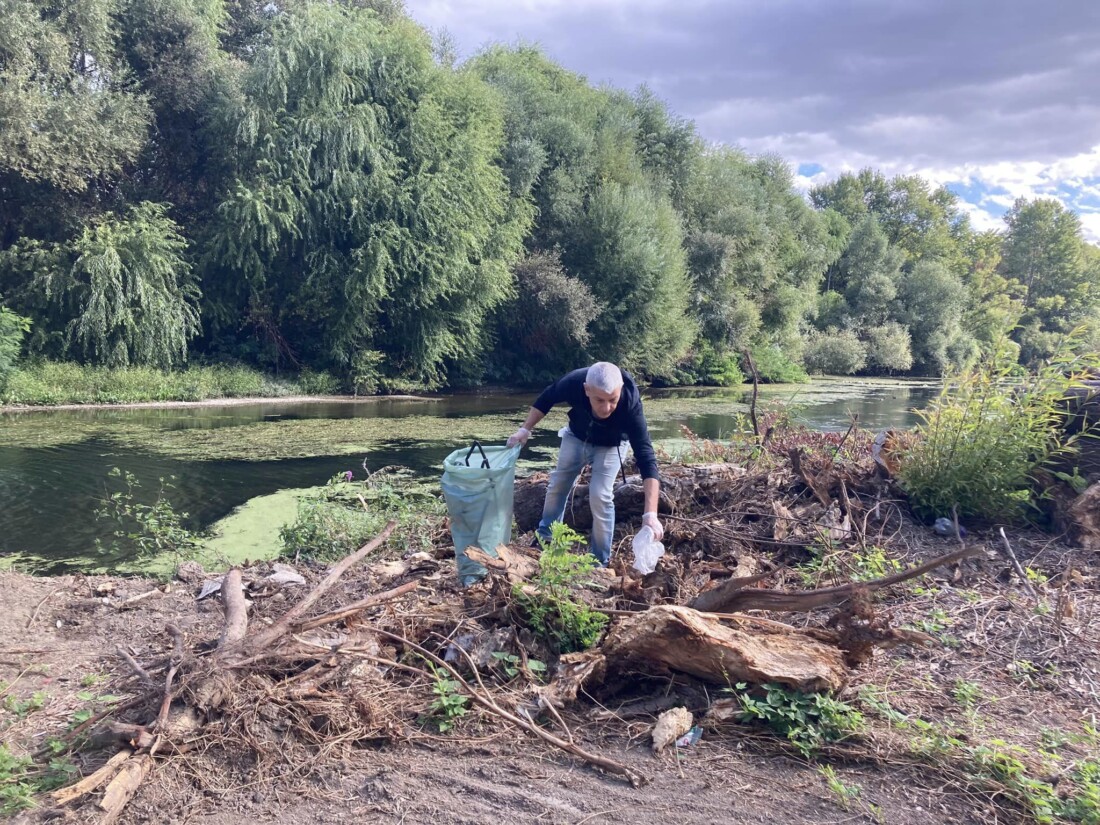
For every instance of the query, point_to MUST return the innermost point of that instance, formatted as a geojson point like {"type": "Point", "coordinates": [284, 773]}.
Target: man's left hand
{"type": "Point", "coordinates": [651, 521]}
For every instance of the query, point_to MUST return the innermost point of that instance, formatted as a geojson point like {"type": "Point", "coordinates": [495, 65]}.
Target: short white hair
{"type": "Point", "coordinates": [604, 376]}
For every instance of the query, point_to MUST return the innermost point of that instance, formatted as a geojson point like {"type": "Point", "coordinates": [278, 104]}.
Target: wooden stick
{"type": "Point", "coordinates": [753, 599]}
{"type": "Point", "coordinates": [236, 611]}
{"type": "Point", "coordinates": [1016, 564]}
{"type": "Point", "coordinates": [291, 617]}
{"type": "Point", "coordinates": [38, 606]}
{"type": "Point", "coordinates": [140, 597]}
{"type": "Point", "coordinates": [123, 787]}
{"type": "Point", "coordinates": [133, 663]}
{"type": "Point", "coordinates": [755, 392]}
{"type": "Point", "coordinates": [64, 796]}
{"type": "Point", "coordinates": [356, 607]}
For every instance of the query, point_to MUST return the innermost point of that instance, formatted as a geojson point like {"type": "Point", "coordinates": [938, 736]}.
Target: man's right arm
{"type": "Point", "coordinates": [521, 435]}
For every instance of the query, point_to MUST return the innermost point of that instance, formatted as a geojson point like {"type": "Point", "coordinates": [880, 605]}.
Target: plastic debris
{"type": "Point", "coordinates": [647, 550]}
{"type": "Point", "coordinates": [690, 738]}
{"type": "Point", "coordinates": [946, 527]}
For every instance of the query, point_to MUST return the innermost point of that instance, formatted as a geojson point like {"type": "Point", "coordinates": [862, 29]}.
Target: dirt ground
{"type": "Point", "coordinates": [60, 634]}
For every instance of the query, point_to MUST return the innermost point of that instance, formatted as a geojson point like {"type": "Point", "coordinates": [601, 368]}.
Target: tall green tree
{"type": "Point", "coordinates": [629, 251]}
{"type": "Point", "coordinates": [1044, 253]}
{"type": "Point", "coordinates": [370, 214]}
{"type": "Point", "coordinates": [120, 293]}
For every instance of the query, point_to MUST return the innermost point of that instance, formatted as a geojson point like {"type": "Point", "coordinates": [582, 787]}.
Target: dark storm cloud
{"type": "Point", "coordinates": [932, 82]}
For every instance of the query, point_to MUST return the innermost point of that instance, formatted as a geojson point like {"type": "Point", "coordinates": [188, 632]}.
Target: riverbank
{"type": "Point", "coordinates": [980, 710]}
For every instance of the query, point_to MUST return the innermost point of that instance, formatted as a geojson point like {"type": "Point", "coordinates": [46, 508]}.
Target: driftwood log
{"type": "Point", "coordinates": [738, 594]}
{"type": "Point", "coordinates": [682, 488]}
{"type": "Point", "coordinates": [675, 638]}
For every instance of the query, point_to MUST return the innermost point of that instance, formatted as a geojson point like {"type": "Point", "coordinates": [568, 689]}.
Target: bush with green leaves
{"type": "Point", "coordinates": [809, 720]}
{"type": "Point", "coordinates": [142, 529]}
{"type": "Point", "coordinates": [775, 366]}
{"type": "Point", "coordinates": [553, 609]}
{"type": "Point", "coordinates": [834, 352]}
{"type": "Point", "coordinates": [12, 329]}
{"type": "Point", "coordinates": [981, 441]}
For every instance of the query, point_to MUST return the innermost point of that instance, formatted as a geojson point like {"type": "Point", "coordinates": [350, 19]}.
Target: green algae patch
{"type": "Point", "coordinates": [315, 437]}
{"type": "Point", "coordinates": [251, 531]}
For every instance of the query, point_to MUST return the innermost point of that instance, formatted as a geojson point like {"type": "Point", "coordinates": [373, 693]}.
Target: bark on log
{"type": "Point", "coordinates": [123, 787]}
{"type": "Point", "coordinates": [236, 611]}
{"type": "Point", "coordinates": [731, 597]}
{"type": "Point", "coordinates": [92, 781]}
{"type": "Point", "coordinates": [683, 640]}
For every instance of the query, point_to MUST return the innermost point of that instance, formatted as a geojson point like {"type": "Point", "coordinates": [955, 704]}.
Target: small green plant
{"type": "Point", "coordinates": [844, 793]}
{"type": "Point", "coordinates": [91, 679]}
{"type": "Point", "coordinates": [967, 693]}
{"type": "Point", "coordinates": [449, 704]}
{"type": "Point", "coordinates": [808, 720]}
{"type": "Point", "coordinates": [512, 665]}
{"type": "Point", "coordinates": [21, 779]}
{"type": "Point", "coordinates": [553, 611]}
{"type": "Point", "coordinates": [22, 708]}
{"type": "Point", "coordinates": [141, 529]}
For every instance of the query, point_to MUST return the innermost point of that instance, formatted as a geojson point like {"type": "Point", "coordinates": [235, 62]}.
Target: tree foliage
{"type": "Point", "coordinates": [346, 196]}
{"type": "Point", "coordinates": [119, 294]}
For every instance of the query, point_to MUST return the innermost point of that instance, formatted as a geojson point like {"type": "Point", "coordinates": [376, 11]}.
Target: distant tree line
{"type": "Point", "coordinates": [303, 185]}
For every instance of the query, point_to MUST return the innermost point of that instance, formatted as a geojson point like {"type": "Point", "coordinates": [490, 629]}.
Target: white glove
{"type": "Point", "coordinates": [650, 520]}
{"type": "Point", "coordinates": [520, 436]}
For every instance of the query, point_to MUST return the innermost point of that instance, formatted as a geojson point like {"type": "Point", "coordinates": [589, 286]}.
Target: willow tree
{"type": "Point", "coordinates": [370, 223]}
{"type": "Point", "coordinates": [120, 293]}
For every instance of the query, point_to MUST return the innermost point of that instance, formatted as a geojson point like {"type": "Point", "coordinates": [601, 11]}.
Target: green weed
{"type": "Point", "coordinates": [808, 720]}
{"type": "Point", "coordinates": [981, 441]}
{"type": "Point", "coordinates": [449, 704]}
{"type": "Point", "coordinates": [140, 529]}
{"type": "Point", "coordinates": [553, 611]}
{"type": "Point", "coordinates": [844, 793]}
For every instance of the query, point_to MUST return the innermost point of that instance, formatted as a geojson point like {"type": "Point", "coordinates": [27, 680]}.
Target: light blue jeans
{"type": "Point", "coordinates": [605, 461]}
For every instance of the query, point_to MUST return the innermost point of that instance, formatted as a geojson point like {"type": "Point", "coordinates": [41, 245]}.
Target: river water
{"type": "Point", "coordinates": [54, 465]}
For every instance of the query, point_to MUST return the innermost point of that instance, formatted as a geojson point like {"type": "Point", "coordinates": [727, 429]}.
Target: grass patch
{"type": "Point", "coordinates": [51, 382]}
{"type": "Point", "coordinates": [334, 522]}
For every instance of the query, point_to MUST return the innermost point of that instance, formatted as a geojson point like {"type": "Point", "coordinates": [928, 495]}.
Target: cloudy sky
{"type": "Point", "coordinates": [995, 98]}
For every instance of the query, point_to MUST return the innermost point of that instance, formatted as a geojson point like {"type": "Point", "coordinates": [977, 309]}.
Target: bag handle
{"type": "Point", "coordinates": [484, 458]}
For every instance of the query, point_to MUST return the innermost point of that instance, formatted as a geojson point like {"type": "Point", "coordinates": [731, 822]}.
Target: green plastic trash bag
{"type": "Point", "coordinates": [478, 484]}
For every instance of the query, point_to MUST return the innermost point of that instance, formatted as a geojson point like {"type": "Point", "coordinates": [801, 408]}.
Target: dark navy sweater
{"type": "Point", "coordinates": [626, 422]}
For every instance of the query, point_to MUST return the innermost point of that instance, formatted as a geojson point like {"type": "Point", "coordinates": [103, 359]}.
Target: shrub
{"type": "Point", "coordinates": [982, 439]}
{"type": "Point", "coordinates": [837, 352]}
{"type": "Point", "coordinates": [808, 720]}
{"type": "Point", "coordinates": [889, 347]}
{"type": "Point", "coordinates": [12, 329]}
{"type": "Point", "coordinates": [775, 367]}
{"type": "Point", "coordinates": [552, 610]}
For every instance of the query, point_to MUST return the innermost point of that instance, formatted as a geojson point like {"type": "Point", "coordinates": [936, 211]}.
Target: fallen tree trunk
{"type": "Point", "coordinates": [683, 640]}
{"type": "Point", "coordinates": [733, 596]}
{"type": "Point", "coordinates": [236, 611]}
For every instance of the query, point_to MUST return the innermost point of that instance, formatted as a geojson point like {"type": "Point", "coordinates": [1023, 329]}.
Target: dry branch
{"type": "Point", "coordinates": [123, 787]}
{"type": "Point", "coordinates": [236, 610]}
{"type": "Point", "coordinates": [730, 598]}
{"type": "Point", "coordinates": [92, 781]}
{"type": "Point", "coordinates": [282, 627]}
{"type": "Point", "coordinates": [357, 607]}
